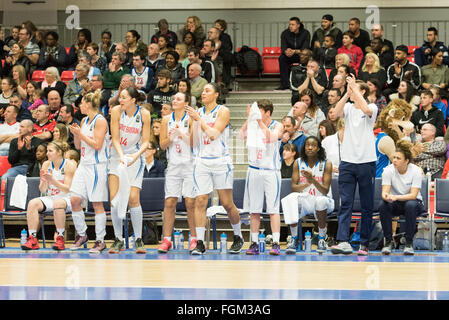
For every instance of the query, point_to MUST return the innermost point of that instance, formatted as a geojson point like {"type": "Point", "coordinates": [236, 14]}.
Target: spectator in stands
{"type": "Point", "coordinates": [38, 99]}
{"type": "Point", "coordinates": [435, 73]}
{"type": "Point", "coordinates": [61, 133]}
{"type": "Point", "coordinates": [298, 112]}
{"type": "Point", "coordinates": [107, 48]}
{"type": "Point", "coordinates": [142, 74]}
{"type": "Point", "coordinates": [155, 136]}
{"type": "Point", "coordinates": [353, 51]}
{"type": "Point", "coordinates": [423, 54]}
{"type": "Point", "coordinates": [9, 129]}
{"type": "Point", "coordinates": [96, 83]}
{"type": "Point", "coordinates": [437, 102]}
{"type": "Point", "coordinates": [154, 168]}
{"type": "Point", "coordinates": [185, 87]}
{"type": "Point", "coordinates": [33, 30]}
{"type": "Point", "coordinates": [383, 52]}
{"type": "Point", "coordinates": [43, 127]}
{"type": "Point", "coordinates": [291, 135]}
{"type": "Point", "coordinates": [326, 53]}
{"type": "Point", "coordinates": [375, 93]}
{"type": "Point", "coordinates": [299, 72]}
{"type": "Point", "coordinates": [358, 164]}
{"type": "Point", "coordinates": [290, 154]}
{"type": "Point", "coordinates": [194, 26]}
{"type": "Point", "coordinates": [330, 99]}
{"type": "Point", "coordinates": [401, 195]}
{"type": "Point", "coordinates": [402, 69]}
{"type": "Point", "coordinates": [12, 38]}
{"type": "Point", "coordinates": [209, 53]}
{"type": "Point", "coordinates": [135, 45]}
{"type": "Point", "coordinates": [162, 94]}
{"type": "Point", "coordinates": [98, 62]}
{"type": "Point", "coordinates": [53, 81]}
{"type": "Point", "coordinates": [225, 51]}
{"type": "Point", "coordinates": [20, 78]}
{"type": "Point", "coordinates": [85, 58]}
{"type": "Point", "coordinates": [34, 169]}
{"type": "Point", "coordinates": [31, 87]}
{"type": "Point", "coordinates": [332, 146]}
{"type": "Point", "coordinates": [72, 155]}
{"type": "Point", "coordinates": [181, 49]}
{"type": "Point", "coordinates": [122, 48]}
{"type": "Point", "coordinates": [17, 58]}
{"type": "Point", "coordinates": [427, 113]}
{"type": "Point", "coordinates": [407, 93]}
{"type": "Point", "coordinates": [67, 117]}
{"type": "Point", "coordinates": [327, 28]}
{"type": "Point", "coordinates": [31, 50]}
{"type": "Point", "coordinates": [52, 54]}
{"type": "Point", "coordinates": [75, 86]}
{"type": "Point", "coordinates": [207, 67]}
{"type": "Point", "coordinates": [164, 45]}
{"type": "Point", "coordinates": [163, 29]}
{"type": "Point", "coordinates": [197, 83]}
{"type": "Point", "coordinates": [293, 41]}
{"type": "Point", "coordinates": [83, 38]}
{"type": "Point", "coordinates": [331, 115]}
{"type": "Point", "coordinates": [339, 82]}
{"type": "Point", "coordinates": [340, 60]}
{"type": "Point", "coordinates": [377, 32]}
{"type": "Point", "coordinates": [154, 59]}
{"type": "Point", "coordinates": [8, 87]}
{"type": "Point", "coordinates": [113, 75]}
{"type": "Point", "coordinates": [325, 129]}
{"type": "Point", "coordinates": [172, 65]}
{"type": "Point", "coordinates": [127, 81]}
{"type": "Point", "coordinates": [54, 102]}
{"type": "Point", "coordinates": [189, 40]}
{"type": "Point", "coordinates": [315, 79]}
{"type": "Point", "coordinates": [361, 37]}
{"type": "Point", "coordinates": [313, 116]}
{"type": "Point", "coordinates": [22, 150]}
{"type": "Point", "coordinates": [24, 113]}
{"type": "Point", "coordinates": [434, 155]}
{"type": "Point", "coordinates": [371, 68]}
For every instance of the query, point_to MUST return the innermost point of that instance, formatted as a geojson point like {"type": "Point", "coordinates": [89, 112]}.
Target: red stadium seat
{"type": "Point", "coordinates": [4, 164]}
{"type": "Point", "coordinates": [411, 49]}
{"type": "Point", "coordinates": [38, 75]}
{"type": "Point", "coordinates": [270, 56]}
{"type": "Point", "coordinates": [67, 76]}
{"type": "Point", "coordinates": [411, 59]}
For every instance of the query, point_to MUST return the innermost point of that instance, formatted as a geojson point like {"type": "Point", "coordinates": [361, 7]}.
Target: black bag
{"type": "Point", "coordinates": [150, 233]}
{"type": "Point", "coordinates": [248, 60]}
{"type": "Point", "coordinates": [375, 240]}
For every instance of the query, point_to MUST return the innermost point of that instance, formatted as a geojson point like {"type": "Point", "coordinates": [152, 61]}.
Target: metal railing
{"type": "Point", "coordinates": [255, 34]}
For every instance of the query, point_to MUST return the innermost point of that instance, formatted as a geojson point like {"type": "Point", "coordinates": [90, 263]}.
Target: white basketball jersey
{"type": "Point", "coordinates": [88, 154]}
{"type": "Point", "coordinates": [270, 158]}
{"type": "Point", "coordinates": [141, 78]}
{"type": "Point", "coordinates": [130, 133]}
{"type": "Point", "coordinates": [179, 151]}
{"type": "Point", "coordinates": [317, 173]}
{"type": "Point", "coordinates": [59, 175]}
{"type": "Point", "coordinates": [217, 148]}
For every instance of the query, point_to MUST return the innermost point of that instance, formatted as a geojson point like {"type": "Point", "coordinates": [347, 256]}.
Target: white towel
{"type": "Point", "coordinates": [120, 200]}
{"type": "Point", "coordinates": [255, 136]}
{"type": "Point", "coordinates": [19, 192]}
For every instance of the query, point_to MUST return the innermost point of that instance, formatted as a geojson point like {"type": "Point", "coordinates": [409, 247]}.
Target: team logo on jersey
{"type": "Point", "coordinates": [138, 118]}
{"type": "Point", "coordinates": [321, 166]}
{"type": "Point", "coordinates": [62, 171]}
{"type": "Point", "coordinates": [214, 115]}
{"type": "Point", "coordinates": [186, 123]}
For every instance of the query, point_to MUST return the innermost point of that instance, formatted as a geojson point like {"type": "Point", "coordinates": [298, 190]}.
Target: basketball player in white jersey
{"type": "Point", "coordinates": [311, 192]}
{"type": "Point", "coordinates": [264, 175]}
{"type": "Point", "coordinates": [130, 131]}
{"type": "Point", "coordinates": [213, 167]}
{"type": "Point", "coordinates": [56, 177]}
{"type": "Point", "coordinates": [90, 180]}
{"type": "Point", "coordinates": [175, 138]}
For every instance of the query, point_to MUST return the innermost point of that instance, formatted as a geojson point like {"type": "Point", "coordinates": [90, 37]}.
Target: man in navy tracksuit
{"type": "Point", "coordinates": [358, 164]}
{"type": "Point", "coordinates": [293, 41]}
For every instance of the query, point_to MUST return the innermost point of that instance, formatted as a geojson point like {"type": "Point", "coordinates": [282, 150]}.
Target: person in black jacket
{"type": "Point", "coordinates": [225, 51]}
{"type": "Point", "coordinates": [361, 37]}
{"type": "Point", "coordinates": [154, 168]}
{"type": "Point", "coordinates": [293, 41]}
{"type": "Point", "coordinates": [428, 114]}
{"type": "Point", "coordinates": [52, 54]}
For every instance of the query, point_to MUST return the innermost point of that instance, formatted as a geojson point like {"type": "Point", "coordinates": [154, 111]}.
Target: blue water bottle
{"type": "Point", "coordinates": [261, 243]}
{"type": "Point", "coordinates": [308, 242]}
{"type": "Point", "coordinates": [190, 239]}
{"type": "Point", "coordinates": [23, 237]}
{"type": "Point", "coordinates": [181, 241]}
{"type": "Point", "coordinates": [176, 244]}
{"type": "Point", "coordinates": [223, 243]}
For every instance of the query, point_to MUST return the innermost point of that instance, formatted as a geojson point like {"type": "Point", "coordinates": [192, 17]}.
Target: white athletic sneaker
{"type": "Point", "coordinates": [342, 247]}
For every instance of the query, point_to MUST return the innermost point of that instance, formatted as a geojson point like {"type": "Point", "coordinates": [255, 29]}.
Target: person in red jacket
{"type": "Point", "coordinates": [354, 52]}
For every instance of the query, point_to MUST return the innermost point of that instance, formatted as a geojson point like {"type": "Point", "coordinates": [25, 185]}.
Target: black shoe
{"type": "Point", "coordinates": [199, 249]}
{"type": "Point", "coordinates": [237, 245]}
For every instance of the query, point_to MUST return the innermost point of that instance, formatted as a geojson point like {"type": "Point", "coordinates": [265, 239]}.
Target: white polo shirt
{"type": "Point", "coordinates": [402, 183]}
{"type": "Point", "coordinates": [6, 128]}
{"type": "Point", "coordinates": [359, 142]}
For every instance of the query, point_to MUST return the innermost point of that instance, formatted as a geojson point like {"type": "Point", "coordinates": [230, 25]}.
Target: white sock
{"type": "Point", "coordinates": [294, 231]}
{"type": "Point", "coordinates": [200, 231]}
{"type": "Point", "coordinates": [117, 223]}
{"type": "Point", "coordinates": [100, 226]}
{"type": "Point", "coordinates": [237, 229]}
{"type": "Point", "coordinates": [79, 222]}
{"type": "Point", "coordinates": [60, 232]}
{"type": "Point", "coordinates": [32, 232]}
{"type": "Point", "coordinates": [136, 220]}
{"type": "Point", "coordinates": [255, 237]}
{"type": "Point", "coordinates": [322, 232]}
{"type": "Point", "coordinates": [276, 237]}
{"type": "Point", "coordinates": [167, 238]}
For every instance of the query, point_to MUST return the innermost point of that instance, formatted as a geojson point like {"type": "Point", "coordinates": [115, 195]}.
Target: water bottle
{"type": "Point", "coordinates": [23, 237]}
{"type": "Point", "coordinates": [132, 241]}
{"type": "Point", "coordinates": [308, 242]}
{"type": "Point", "coordinates": [261, 243]}
{"type": "Point", "coordinates": [181, 241]}
{"type": "Point", "coordinates": [446, 243]}
{"type": "Point", "coordinates": [176, 242]}
{"type": "Point", "coordinates": [190, 238]}
{"type": "Point", "coordinates": [223, 243]}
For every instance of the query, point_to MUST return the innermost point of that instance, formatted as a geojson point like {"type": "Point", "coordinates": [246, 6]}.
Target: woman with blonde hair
{"type": "Point", "coordinates": [371, 68]}
{"type": "Point", "coordinates": [340, 60]}
{"type": "Point", "coordinates": [53, 81]}
{"type": "Point", "coordinates": [20, 78]}
{"type": "Point", "coordinates": [193, 25]}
